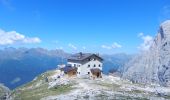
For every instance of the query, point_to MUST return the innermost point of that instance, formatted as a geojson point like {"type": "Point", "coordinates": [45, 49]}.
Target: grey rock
{"type": "Point", "coordinates": [152, 66]}
{"type": "Point", "coordinates": [5, 93]}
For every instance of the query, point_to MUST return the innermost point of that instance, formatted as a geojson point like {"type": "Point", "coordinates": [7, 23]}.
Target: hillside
{"type": "Point", "coordinates": [107, 88]}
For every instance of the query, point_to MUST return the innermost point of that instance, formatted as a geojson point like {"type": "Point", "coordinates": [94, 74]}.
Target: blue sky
{"type": "Point", "coordinates": [104, 26]}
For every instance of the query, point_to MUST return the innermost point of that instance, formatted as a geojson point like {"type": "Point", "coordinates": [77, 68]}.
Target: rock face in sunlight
{"type": "Point", "coordinates": [152, 66]}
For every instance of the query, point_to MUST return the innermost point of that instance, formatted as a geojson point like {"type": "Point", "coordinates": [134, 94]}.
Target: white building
{"type": "Point", "coordinates": [87, 64]}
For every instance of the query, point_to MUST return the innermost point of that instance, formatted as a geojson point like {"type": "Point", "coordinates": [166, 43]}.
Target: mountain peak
{"type": "Point", "coordinates": [165, 22]}
{"type": "Point", "coordinates": [165, 28]}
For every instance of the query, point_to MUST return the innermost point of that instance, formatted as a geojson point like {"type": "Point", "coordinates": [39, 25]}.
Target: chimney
{"type": "Point", "coordinates": [81, 54]}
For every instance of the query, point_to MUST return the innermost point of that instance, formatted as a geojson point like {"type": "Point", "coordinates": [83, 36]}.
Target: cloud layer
{"type": "Point", "coordinates": [12, 37]}
{"type": "Point", "coordinates": [147, 42]}
{"type": "Point", "coordinates": [72, 46]}
{"type": "Point", "coordinates": [16, 80]}
{"type": "Point", "coordinates": [113, 46]}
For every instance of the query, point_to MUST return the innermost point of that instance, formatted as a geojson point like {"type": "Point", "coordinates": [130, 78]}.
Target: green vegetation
{"type": "Point", "coordinates": [137, 91]}
{"type": "Point", "coordinates": [40, 92]}
{"type": "Point", "coordinates": [104, 96]}
{"type": "Point", "coordinates": [38, 89]}
{"type": "Point", "coordinates": [61, 89]}
{"type": "Point", "coordinates": [109, 85]}
{"type": "Point", "coordinates": [167, 97]}
{"type": "Point", "coordinates": [39, 79]}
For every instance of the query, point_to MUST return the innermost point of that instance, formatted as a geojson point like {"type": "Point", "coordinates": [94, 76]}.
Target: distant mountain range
{"type": "Point", "coordinates": [19, 66]}
{"type": "Point", "coordinates": [115, 62]}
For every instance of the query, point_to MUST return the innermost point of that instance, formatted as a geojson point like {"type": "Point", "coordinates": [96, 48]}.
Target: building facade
{"type": "Point", "coordinates": [87, 64]}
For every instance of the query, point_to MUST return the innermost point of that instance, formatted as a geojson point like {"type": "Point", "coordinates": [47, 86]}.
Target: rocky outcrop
{"type": "Point", "coordinates": [5, 93]}
{"type": "Point", "coordinates": [152, 66]}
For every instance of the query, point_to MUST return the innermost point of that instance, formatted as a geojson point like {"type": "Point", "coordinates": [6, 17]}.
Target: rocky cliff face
{"type": "Point", "coordinates": [152, 66]}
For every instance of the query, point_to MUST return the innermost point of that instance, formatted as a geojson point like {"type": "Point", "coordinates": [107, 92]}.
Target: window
{"type": "Point", "coordinates": [79, 72]}
{"type": "Point", "coordinates": [94, 65]}
{"type": "Point", "coordinates": [94, 59]}
{"type": "Point", "coordinates": [89, 59]}
{"type": "Point", "coordinates": [78, 65]}
{"type": "Point", "coordinates": [88, 66]}
{"type": "Point", "coordinates": [99, 65]}
{"type": "Point", "coordinates": [88, 72]}
{"type": "Point", "coordinates": [74, 65]}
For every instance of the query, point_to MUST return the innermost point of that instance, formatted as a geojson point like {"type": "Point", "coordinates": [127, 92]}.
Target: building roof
{"type": "Point", "coordinates": [82, 56]}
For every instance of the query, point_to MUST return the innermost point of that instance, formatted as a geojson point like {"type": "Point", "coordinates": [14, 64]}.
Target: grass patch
{"type": "Point", "coordinates": [39, 78]}
{"type": "Point", "coordinates": [30, 91]}
{"type": "Point", "coordinates": [124, 97]}
{"type": "Point", "coordinates": [61, 89]}
{"type": "Point", "coordinates": [101, 97]}
{"type": "Point", "coordinates": [167, 97]}
{"type": "Point", "coordinates": [104, 96]}
{"type": "Point", "coordinates": [109, 85]}
{"type": "Point", "coordinates": [137, 91]}
{"type": "Point", "coordinates": [40, 92]}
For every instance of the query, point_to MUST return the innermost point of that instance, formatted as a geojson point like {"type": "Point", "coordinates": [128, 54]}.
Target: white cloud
{"type": "Point", "coordinates": [113, 46]}
{"type": "Point", "coordinates": [106, 47]}
{"type": "Point", "coordinates": [32, 40]}
{"type": "Point", "coordinates": [147, 42]}
{"type": "Point", "coordinates": [140, 34]}
{"type": "Point", "coordinates": [116, 45]}
{"type": "Point", "coordinates": [72, 46]}
{"type": "Point", "coordinates": [16, 80]}
{"type": "Point", "coordinates": [84, 47]}
{"type": "Point", "coordinates": [12, 37]}
{"type": "Point", "coordinates": [60, 48]}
